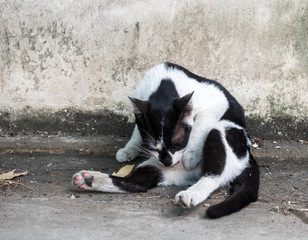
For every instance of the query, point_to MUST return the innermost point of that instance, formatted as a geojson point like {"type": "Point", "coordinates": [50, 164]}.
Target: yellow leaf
{"type": "Point", "coordinates": [124, 171]}
{"type": "Point", "coordinates": [11, 175]}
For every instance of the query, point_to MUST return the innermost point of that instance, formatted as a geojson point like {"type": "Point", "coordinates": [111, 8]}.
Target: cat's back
{"type": "Point", "coordinates": [185, 82]}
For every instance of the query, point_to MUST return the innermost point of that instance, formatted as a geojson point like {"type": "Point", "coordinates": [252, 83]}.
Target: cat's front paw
{"type": "Point", "coordinates": [184, 199]}
{"type": "Point", "coordinates": [124, 155]}
{"type": "Point", "coordinates": [190, 160]}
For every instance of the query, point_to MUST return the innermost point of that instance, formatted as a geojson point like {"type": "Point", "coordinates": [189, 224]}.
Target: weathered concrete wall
{"type": "Point", "coordinates": [84, 57]}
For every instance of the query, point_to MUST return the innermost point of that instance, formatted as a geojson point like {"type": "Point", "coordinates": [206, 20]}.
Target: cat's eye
{"type": "Point", "coordinates": [175, 147]}
{"type": "Point", "coordinates": [153, 149]}
{"type": "Point", "coordinates": [149, 147]}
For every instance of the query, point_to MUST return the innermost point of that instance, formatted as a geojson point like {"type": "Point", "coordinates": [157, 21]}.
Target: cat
{"type": "Point", "coordinates": [193, 133]}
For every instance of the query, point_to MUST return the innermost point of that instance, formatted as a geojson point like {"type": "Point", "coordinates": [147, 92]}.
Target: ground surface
{"type": "Point", "coordinates": [46, 206]}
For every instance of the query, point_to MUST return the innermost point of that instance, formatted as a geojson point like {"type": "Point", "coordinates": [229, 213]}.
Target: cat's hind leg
{"type": "Point", "coordinates": [139, 180]}
{"type": "Point", "coordinates": [131, 149]}
{"type": "Point", "coordinates": [226, 159]}
{"type": "Point", "coordinates": [94, 181]}
{"type": "Point", "coordinates": [242, 165]}
{"type": "Point", "coordinates": [244, 190]}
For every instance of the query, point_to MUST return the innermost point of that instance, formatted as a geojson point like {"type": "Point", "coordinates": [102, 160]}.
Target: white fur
{"type": "Point", "coordinates": [130, 151]}
{"type": "Point", "coordinates": [198, 192]}
{"type": "Point", "coordinates": [101, 182]}
{"type": "Point", "coordinates": [176, 157]}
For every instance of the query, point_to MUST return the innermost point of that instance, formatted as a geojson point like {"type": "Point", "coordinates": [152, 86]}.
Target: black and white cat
{"type": "Point", "coordinates": [193, 132]}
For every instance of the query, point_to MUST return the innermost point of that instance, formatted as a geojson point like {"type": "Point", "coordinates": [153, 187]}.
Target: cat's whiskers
{"type": "Point", "coordinates": [148, 135]}
{"type": "Point", "coordinates": [144, 151]}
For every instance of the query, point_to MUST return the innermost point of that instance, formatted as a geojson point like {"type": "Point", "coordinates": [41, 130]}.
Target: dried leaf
{"type": "Point", "coordinates": [11, 175]}
{"type": "Point", "coordinates": [255, 145]}
{"type": "Point", "coordinates": [124, 171]}
{"type": "Point", "coordinates": [49, 165]}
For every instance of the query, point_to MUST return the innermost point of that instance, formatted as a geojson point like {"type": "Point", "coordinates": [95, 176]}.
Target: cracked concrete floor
{"type": "Point", "coordinates": [43, 205]}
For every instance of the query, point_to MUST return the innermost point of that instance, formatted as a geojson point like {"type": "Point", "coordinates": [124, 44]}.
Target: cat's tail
{"type": "Point", "coordinates": [244, 190]}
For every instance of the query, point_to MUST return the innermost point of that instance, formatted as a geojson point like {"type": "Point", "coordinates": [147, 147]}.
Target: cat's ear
{"type": "Point", "coordinates": [140, 107]}
{"type": "Point", "coordinates": [183, 103]}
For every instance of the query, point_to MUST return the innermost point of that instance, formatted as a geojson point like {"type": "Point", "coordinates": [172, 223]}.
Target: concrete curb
{"type": "Point", "coordinates": [106, 144]}
{"type": "Point", "coordinates": [58, 145]}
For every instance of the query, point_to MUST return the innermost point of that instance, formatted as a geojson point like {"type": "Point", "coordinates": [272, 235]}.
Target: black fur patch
{"type": "Point", "coordinates": [165, 157]}
{"type": "Point", "coordinates": [140, 180]}
{"type": "Point", "coordinates": [89, 181]}
{"type": "Point", "coordinates": [161, 109]}
{"type": "Point", "coordinates": [237, 140]}
{"type": "Point", "coordinates": [214, 154]}
{"type": "Point", "coordinates": [163, 97]}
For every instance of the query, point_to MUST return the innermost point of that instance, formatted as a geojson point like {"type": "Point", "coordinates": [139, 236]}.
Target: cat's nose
{"type": "Point", "coordinates": [165, 158]}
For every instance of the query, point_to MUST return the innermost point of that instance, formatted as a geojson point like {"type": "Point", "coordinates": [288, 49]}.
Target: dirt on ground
{"type": "Point", "coordinates": [47, 185]}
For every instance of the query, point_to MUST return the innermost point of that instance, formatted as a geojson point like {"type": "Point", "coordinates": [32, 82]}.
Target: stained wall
{"type": "Point", "coordinates": [60, 60]}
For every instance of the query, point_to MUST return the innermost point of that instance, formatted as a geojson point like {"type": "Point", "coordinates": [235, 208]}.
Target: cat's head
{"type": "Point", "coordinates": [164, 128]}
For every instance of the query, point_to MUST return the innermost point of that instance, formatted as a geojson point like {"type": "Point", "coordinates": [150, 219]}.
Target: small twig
{"type": "Point", "coordinates": [7, 182]}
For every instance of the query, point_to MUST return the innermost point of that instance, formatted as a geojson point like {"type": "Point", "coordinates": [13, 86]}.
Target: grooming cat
{"type": "Point", "coordinates": [193, 132]}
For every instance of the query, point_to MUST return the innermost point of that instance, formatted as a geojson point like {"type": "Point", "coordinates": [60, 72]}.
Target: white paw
{"type": "Point", "coordinates": [95, 181]}
{"type": "Point", "coordinates": [83, 179]}
{"type": "Point", "coordinates": [185, 199]}
{"type": "Point", "coordinates": [124, 155]}
{"type": "Point", "coordinates": [190, 160]}
{"type": "Point", "coordinates": [89, 180]}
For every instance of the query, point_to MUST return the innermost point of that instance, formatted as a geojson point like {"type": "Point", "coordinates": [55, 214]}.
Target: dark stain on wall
{"type": "Point", "coordinates": [73, 122]}
{"type": "Point", "coordinates": [67, 121]}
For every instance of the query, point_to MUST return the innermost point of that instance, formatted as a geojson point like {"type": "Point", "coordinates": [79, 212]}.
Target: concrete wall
{"type": "Point", "coordinates": [84, 57]}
